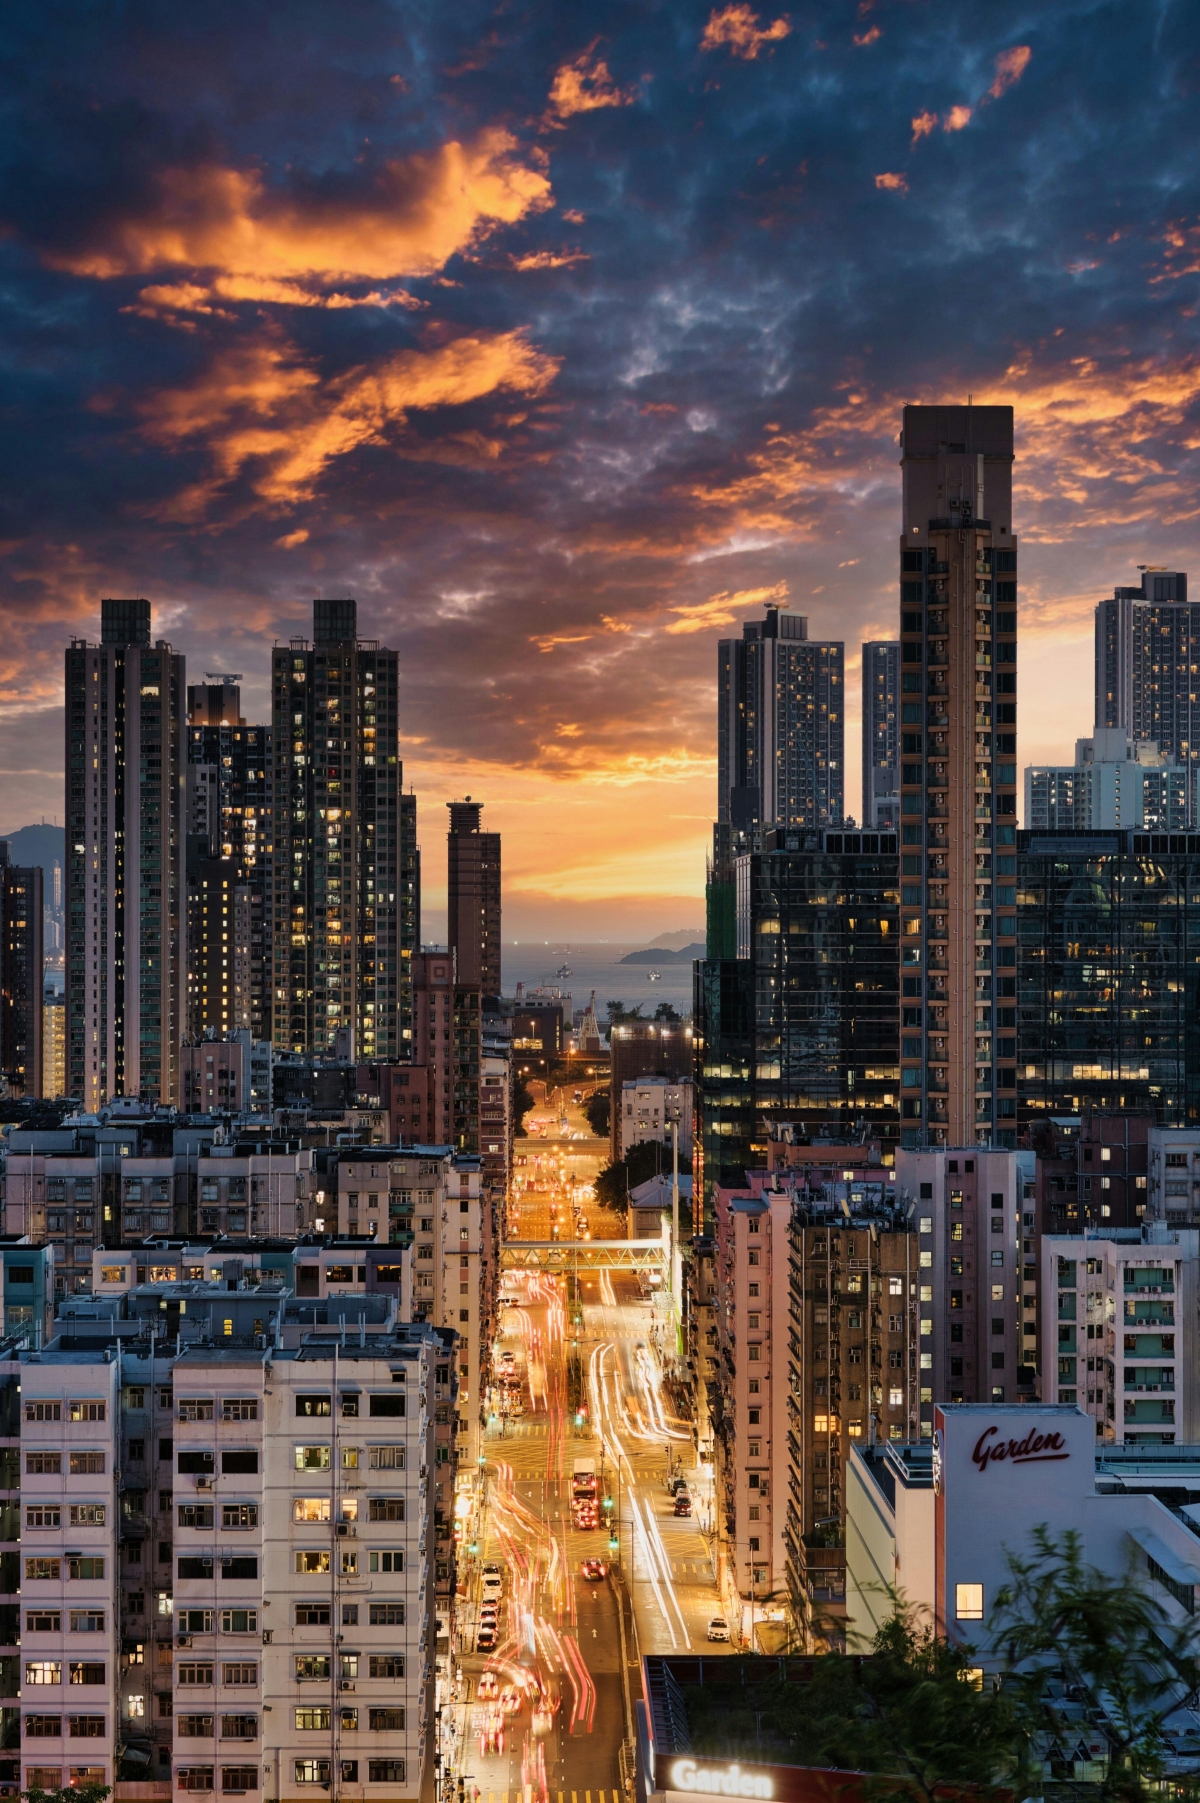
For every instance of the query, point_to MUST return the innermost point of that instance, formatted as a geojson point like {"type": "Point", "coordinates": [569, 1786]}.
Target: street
{"type": "Point", "coordinates": [544, 1713]}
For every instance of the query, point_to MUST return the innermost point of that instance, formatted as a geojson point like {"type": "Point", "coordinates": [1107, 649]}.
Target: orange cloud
{"type": "Point", "coordinates": [270, 244]}
{"type": "Point", "coordinates": [864, 38]}
{"type": "Point", "coordinates": [585, 86]}
{"type": "Point", "coordinates": [722, 609]}
{"type": "Point", "coordinates": [922, 125]}
{"type": "Point", "coordinates": [266, 414]}
{"type": "Point", "coordinates": [956, 118]}
{"type": "Point", "coordinates": [1010, 66]}
{"type": "Point", "coordinates": [893, 180]}
{"type": "Point", "coordinates": [549, 640]}
{"type": "Point", "coordinates": [741, 31]}
{"type": "Point", "coordinates": [550, 259]}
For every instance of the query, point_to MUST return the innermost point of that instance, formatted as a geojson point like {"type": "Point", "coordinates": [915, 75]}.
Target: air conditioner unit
{"type": "Point", "coordinates": [268, 1635]}
{"type": "Point", "coordinates": [346, 1687]}
{"type": "Point", "coordinates": [204, 1483]}
{"type": "Point", "coordinates": [184, 1640]}
{"type": "Point", "coordinates": [342, 1529]}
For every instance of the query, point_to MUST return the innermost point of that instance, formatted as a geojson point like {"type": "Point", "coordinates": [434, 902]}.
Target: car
{"type": "Point", "coordinates": [718, 1628]}
{"type": "Point", "coordinates": [594, 1570]}
{"type": "Point", "coordinates": [674, 1484]}
{"type": "Point", "coordinates": [491, 1735]}
{"type": "Point", "coordinates": [511, 1701]}
{"type": "Point", "coordinates": [543, 1721]}
{"type": "Point", "coordinates": [485, 1640]}
{"type": "Point", "coordinates": [489, 1686]}
{"type": "Point", "coordinates": [683, 1503]}
{"type": "Point", "coordinates": [489, 1618]}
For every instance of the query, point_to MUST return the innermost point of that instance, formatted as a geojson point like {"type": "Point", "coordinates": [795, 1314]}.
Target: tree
{"type": "Point", "coordinates": [1073, 1636]}
{"type": "Point", "coordinates": [617, 1180]}
{"type": "Point", "coordinates": [618, 1013]}
{"type": "Point", "coordinates": [665, 1012]}
{"type": "Point", "coordinates": [522, 1103]}
{"type": "Point", "coordinates": [599, 1113]}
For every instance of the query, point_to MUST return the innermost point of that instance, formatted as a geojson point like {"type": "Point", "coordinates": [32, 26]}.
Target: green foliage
{"type": "Point", "coordinates": [1081, 1647]}
{"type": "Point", "coordinates": [69, 1793]}
{"type": "Point", "coordinates": [616, 1180]}
{"type": "Point", "coordinates": [618, 1013]}
{"type": "Point", "coordinates": [665, 1012]}
{"type": "Point", "coordinates": [909, 1715]}
{"type": "Point", "coordinates": [522, 1103]}
{"type": "Point", "coordinates": [598, 1110]}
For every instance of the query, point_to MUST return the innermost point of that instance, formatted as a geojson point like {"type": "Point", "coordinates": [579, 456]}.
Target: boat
{"type": "Point", "coordinates": [654, 976]}
{"type": "Point", "coordinates": [563, 971]}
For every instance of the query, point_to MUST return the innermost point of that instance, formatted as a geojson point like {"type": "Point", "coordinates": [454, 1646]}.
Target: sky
{"type": "Point", "coordinates": [564, 337]}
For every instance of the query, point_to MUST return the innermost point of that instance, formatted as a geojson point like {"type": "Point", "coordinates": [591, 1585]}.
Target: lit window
{"type": "Point", "coordinates": [968, 1602]}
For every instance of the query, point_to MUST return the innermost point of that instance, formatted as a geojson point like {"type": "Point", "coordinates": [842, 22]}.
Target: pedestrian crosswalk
{"type": "Point", "coordinates": [525, 1795]}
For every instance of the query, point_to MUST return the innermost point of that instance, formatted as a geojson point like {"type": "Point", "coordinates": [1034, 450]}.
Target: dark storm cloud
{"type": "Point", "coordinates": [565, 336]}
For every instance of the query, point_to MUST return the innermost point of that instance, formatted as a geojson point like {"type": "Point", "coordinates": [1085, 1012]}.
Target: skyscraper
{"type": "Point", "coordinates": [473, 897]}
{"type": "Point", "coordinates": [21, 960]}
{"type": "Point", "coordinates": [881, 735]}
{"type": "Point", "coordinates": [229, 781]}
{"type": "Point", "coordinates": [344, 882]}
{"type": "Point", "coordinates": [125, 953]}
{"type": "Point", "coordinates": [958, 686]}
{"type": "Point", "coordinates": [1147, 650]}
{"type": "Point", "coordinates": [780, 725]}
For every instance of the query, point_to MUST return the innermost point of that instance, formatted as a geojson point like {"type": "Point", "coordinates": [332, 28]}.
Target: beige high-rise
{"type": "Point", "coordinates": [958, 691]}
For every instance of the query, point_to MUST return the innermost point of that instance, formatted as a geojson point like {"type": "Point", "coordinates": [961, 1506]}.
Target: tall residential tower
{"type": "Point", "coordinates": [125, 861]}
{"type": "Point", "coordinates": [958, 689]}
{"type": "Point", "coordinates": [345, 891]}
{"type": "Point", "coordinates": [473, 897]}
{"type": "Point", "coordinates": [881, 735]}
{"type": "Point", "coordinates": [780, 725]}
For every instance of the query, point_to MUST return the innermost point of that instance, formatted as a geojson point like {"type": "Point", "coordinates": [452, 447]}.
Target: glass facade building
{"type": "Point", "coordinates": [1108, 974]}
{"type": "Point", "coordinates": [803, 1025]}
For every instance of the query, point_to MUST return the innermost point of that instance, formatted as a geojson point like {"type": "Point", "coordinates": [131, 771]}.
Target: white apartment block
{"type": "Point", "coordinates": [1173, 1176]}
{"type": "Point", "coordinates": [283, 1637]}
{"type": "Point", "coordinates": [649, 1106]}
{"type": "Point", "coordinates": [436, 1196]}
{"type": "Point", "coordinates": [1119, 1332]}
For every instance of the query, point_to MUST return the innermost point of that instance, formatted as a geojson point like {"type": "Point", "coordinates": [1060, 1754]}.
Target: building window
{"type": "Point", "coordinates": [968, 1602]}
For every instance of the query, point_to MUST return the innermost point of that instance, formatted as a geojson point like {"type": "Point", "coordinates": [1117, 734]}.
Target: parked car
{"type": "Point", "coordinates": [718, 1628]}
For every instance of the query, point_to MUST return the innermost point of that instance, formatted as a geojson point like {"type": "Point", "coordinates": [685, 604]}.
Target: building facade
{"type": "Point", "coordinates": [344, 883]}
{"type": "Point", "coordinates": [22, 1054]}
{"type": "Point", "coordinates": [958, 682]}
{"type": "Point", "coordinates": [1147, 644]}
{"type": "Point", "coordinates": [1119, 1332]}
{"type": "Point", "coordinates": [780, 725]}
{"type": "Point", "coordinates": [881, 735]}
{"type": "Point", "coordinates": [650, 1107]}
{"type": "Point", "coordinates": [1110, 942]}
{"type": "Point", "coordinates": [977, 1283]}
{"type": "Point", "coordinates": [125, 953]}
{"type": "Point", "coordinates": [1115, 782]}
{"type": "Point", "coordinates": [230, 773]}
{"type": "Point", "coordinates": [473, 897]}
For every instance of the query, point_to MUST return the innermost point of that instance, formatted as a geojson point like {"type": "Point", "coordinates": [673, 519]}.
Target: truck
{"type": "Point", "coordinates": [583, 1478]}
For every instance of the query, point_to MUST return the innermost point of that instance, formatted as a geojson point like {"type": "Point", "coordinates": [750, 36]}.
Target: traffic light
{"type": "Point", "coordinates": [473, 1548]}
{"type": "Point", "coordinates": [607, 1503]}
{"type": "Point", "coordinates": [614, 1544]}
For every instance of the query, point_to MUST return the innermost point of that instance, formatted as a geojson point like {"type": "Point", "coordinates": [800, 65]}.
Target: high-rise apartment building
{"type": "Point", "coordinates": [881, 735]}
{"type": "Point", "coordinates": [1114, 782]}
{"type": "Point", "coordinates": [1147, 648]}
{"type": "Point", "coordinates": [125, 956]}
{"type": "Point", "coordinates": [958, 687]}
{"type": "Point", "coordinates": [1109, 923]}
{"type": "Point", "coordinates": [473, 897]}
{"type": "Point", "coordinates": [21, 976]}
{"type": "Point", "coordinates": [54, 1042]}
{"type": "Point", "coordinates": [780, 725]}
{"type": "Point", "coordinates": [229, 784]}
{"type": "Point", "coordinates": [344, 883]}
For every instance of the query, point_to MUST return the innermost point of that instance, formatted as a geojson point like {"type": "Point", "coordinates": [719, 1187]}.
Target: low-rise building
{"type": "Point", "coordinates": [650, 1108]}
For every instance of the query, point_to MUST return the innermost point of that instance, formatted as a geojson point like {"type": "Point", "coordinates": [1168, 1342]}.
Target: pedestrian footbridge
{"type": "Point", "coordinates": [584, 1255]}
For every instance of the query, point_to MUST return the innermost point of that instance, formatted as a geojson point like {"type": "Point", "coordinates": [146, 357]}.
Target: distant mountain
{"type": "Point", "coordinates": [684, 955]}
{"type": "Point", "coordinates": [44, 845]}
{"type": "Point", "coordinates": [680, 940]}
